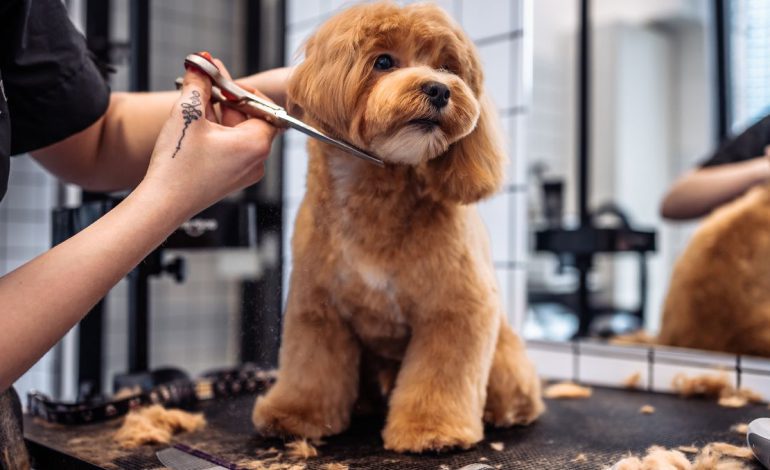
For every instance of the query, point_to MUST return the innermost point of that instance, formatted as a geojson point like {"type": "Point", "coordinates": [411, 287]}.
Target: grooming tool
{"type": "Point", "coordinates": [758, 439]}
{"type": "Point", "coordinates": [180, 393]}
{"type": "Point", "coordinates": [232, 95]}
{"type": "Point", "coordinates": [182, 457]}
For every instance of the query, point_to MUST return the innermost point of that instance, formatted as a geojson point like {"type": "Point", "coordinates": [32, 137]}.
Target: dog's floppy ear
{"type": "Point", "coordinates": [314, 86]}
{"type": "Point", "coordinates": [472, 168]}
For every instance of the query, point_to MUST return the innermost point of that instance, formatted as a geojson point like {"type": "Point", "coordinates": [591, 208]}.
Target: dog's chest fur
{"type": "Point", "coordinates": [384, 242]}
{"type": "Point", "coordinates": [379, 242]}
{"type": "Point", "coordinates": [369, 299]}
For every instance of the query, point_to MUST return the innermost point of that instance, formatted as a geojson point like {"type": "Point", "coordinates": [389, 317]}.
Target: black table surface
{"type": "Point", "coordinates": [605, 428]}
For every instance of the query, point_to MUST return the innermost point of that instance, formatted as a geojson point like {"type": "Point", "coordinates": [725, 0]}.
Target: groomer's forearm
{"type": "Point", "coordinates": [701, 191]}
{"type": "Point", "coordinates": [44, 298]}
{"type": "Point", "coordinates": [114, 152]}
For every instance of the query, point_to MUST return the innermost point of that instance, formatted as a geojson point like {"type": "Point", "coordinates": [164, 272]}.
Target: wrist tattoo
{"type": "Point", "coordinates": [190, 112]}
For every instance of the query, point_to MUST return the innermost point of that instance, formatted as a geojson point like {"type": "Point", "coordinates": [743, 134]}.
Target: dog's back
{"type": "Point", "coordinates": [719, 296]}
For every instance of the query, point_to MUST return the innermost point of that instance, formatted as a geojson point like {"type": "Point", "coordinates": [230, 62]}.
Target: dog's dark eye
{"type": "Point", "coordinates": [383, 62]}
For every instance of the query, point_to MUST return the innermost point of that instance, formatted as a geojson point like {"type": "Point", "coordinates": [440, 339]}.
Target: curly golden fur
{"type": "Point", "coordinates": [392, 279]}
{"type": "Point", "coordinates": [719, 296]}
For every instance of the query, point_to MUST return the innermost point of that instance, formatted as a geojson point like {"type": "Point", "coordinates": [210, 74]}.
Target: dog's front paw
{"type": "Point", "coordinates": [514, 407]}
{"type": "Point", "coordinates": [274, 416]}
{"type": "Point", "coordinates": [420, 435]}
{"type": "Point", "coordinates": [513, 394]}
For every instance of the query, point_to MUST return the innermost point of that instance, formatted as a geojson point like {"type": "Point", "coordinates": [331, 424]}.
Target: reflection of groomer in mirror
{"type": "Point", "coordinates": [719, 294]}
{"type": "Point", "coordinates": [737, 165]}
{"type": "Point", "coordinates": [55, 104]}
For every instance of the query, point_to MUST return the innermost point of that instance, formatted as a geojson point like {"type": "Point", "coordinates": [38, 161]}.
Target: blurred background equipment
{"type": "Point", "coordinates": [578, 246]}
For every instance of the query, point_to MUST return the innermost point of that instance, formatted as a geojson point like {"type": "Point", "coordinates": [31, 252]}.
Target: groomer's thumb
{"type": "Point", "coordinates": [196, 94]}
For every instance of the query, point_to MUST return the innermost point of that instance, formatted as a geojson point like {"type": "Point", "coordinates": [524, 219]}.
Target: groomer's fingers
{"type": "Point", "coordinates": [211, 115]}
{"type": "Point", "coordinates": [257, 133]}
{"type": "Point", "coordinates": [230, 117]}
{"type": "Point", "coordinates": [196, 92]}
{"type": "Point", "coordinates": [255, 91]}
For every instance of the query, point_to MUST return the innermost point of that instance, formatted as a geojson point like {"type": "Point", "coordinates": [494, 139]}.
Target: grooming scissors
{"type": "Point", "coordinates": [232, 95]}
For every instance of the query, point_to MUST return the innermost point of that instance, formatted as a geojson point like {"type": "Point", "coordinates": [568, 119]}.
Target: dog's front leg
{"type": "Point", "coordinates": [513, 390]}
{"type": "Point", "coordinates": [440, 391]}
{"type": "Point", "coordinates": [318, 376]}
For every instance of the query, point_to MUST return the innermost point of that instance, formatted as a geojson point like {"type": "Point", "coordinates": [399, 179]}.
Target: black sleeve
{"type": "Point", "coordinates": [54, 87]}
{"type": "Point", "coordinates": [746, 146]}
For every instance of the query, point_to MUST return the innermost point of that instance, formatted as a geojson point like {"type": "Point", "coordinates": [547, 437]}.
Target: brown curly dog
{"type": "Point", "coordinates": [392, 273]}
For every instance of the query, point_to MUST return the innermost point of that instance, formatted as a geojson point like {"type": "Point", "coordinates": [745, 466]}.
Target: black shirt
{"type": "Point", "coordinates": [746, 146]}
{"type": "Point", "coordinates": [50, 87]}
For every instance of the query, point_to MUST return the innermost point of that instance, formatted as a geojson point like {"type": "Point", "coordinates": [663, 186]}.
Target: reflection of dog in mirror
{"type": "Point", "coordinates": [392, 280]}
{"type": "Point", "coordinates": [719, 297]}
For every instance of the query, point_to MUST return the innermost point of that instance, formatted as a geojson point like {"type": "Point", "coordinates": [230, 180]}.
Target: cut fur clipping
{"type": "Point", "coordinates": [273, 459]}
{"type": "Point", "coordinates": [497, 446]}
{"type": "Point", "coordinates": [580, 458]}
{"type": "Point", "coordinates": [731, 450]}
{"type": "Point", "coordinates": [335, 466]}
{"type": "Point", "coordinates": [702, 385]}
{"type": "Point", "coordinates": [714, 456]}
{"type": "Point", "coordinates": [565, 390]}
{"type": "Point", "coordinates": [301, 449]}
{"type": "Point", "coordinates": [262, 465]}
{"type": "Point", "coordinates": [647, 410]}
{"type": "Point", "coordinates": [688, 449]}
{"type": "Point", "coordinates": [637, 337]}
{"type": "Point", "coordinates": [155, 425]}
{"type": "Point", "coordinates": [269, 459]}
{"type": "Point", "coordinates": [656, 458]}
{"type": "Point", "coordinates": [633, 380]}
{"type": "Point", "coordinates": [733, 401]}
{"type": "Point", "coordinates": [740, 428]}
{"type": "Point", "coordinates": [714, 386]}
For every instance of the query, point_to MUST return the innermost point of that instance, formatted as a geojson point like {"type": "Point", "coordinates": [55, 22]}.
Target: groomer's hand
{"type": "Point", "coordinates": [197, 160]}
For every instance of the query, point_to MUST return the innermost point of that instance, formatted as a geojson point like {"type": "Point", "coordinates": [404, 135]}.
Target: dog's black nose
{"type": "Point", "coordinates": [438, 93]}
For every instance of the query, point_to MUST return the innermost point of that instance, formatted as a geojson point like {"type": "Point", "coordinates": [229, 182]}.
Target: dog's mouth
{"type": "Point", "coordinates": [426, 124]}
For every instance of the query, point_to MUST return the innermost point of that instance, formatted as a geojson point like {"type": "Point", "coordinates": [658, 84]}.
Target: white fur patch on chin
{"type": "Point", "coordinates": [410, 146]}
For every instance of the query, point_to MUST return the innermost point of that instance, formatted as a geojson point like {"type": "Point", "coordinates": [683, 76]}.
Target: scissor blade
{"type": "Point", "coordinates": [264, 108]}
{"type": "Point", "coordinates": [282, 119]}
{"type": "Point", "coordinates": [311, 131]}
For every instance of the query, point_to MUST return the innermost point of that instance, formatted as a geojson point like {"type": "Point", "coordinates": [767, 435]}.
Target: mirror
{"type": "Point", "coordinates": [665, 90]}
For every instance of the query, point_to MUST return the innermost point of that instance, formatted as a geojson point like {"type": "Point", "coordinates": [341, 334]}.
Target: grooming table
{"type": "Point", "coordinates": [604, 428]}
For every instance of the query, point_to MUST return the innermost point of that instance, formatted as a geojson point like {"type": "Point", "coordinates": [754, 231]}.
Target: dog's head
{"type": "Point", "coordinates": [406, 85]}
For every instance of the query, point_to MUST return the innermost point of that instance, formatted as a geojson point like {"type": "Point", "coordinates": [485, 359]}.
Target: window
{"type": "Point", "coordinates": [748, 28]}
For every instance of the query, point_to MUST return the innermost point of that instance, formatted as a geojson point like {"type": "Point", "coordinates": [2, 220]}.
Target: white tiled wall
{"type": "Point", "coordinates": [25, 213]}
{"type": "Point", "coordinates": [756, 376]}
{"type": "Point", "coordinates": [599, 363]}
{"type": "Point", "coordinates": [501, 31]}
{"type": "Point", "coordinates": [193, 325]}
